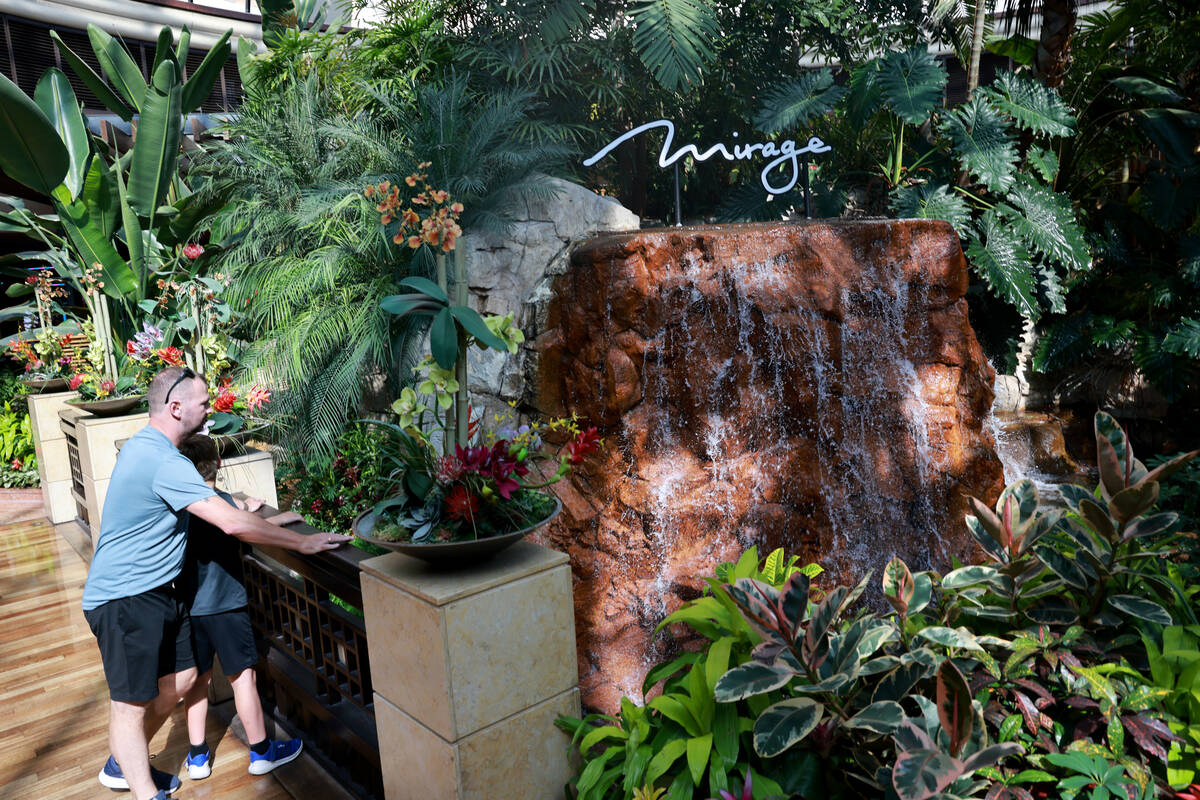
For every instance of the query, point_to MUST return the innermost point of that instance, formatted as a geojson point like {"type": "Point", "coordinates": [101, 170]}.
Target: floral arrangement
{"type": "Point", "coordinates": [233, 408]}
{"type": "Point", "coordinates": [438, 228]}
{"type": "Point", "coordinates": [488, 488]}
{"type": "Point", "coordinates": [43, 356]}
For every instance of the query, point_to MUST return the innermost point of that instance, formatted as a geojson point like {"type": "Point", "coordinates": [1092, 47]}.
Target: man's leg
{"type": "Point", "coordinates": [248, 704]}
{"type": "Point", "coordinates": [127, 738]}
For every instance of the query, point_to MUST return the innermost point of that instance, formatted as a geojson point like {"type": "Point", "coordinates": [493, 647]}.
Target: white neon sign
{"type": "Point", "coordinates": [784, 152]}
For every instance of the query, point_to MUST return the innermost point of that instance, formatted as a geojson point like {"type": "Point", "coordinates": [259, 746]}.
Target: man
{"type": "Point", "coordinates": [130, 599]}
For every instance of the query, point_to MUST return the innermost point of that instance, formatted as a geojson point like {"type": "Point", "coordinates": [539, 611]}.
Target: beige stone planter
{"type": "Point", "coordinates": [470, 670]}
{"type": "Point", "coordinates": [50, 443]}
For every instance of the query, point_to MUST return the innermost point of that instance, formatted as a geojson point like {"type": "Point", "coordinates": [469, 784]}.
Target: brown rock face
{"type": "Point", "coordinates": [815, 386]}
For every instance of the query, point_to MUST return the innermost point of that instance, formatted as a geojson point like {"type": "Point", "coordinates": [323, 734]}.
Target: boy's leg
{"type": "Point", "coordinates": [248, 705]}
{"type": "Point", "coordinates": [197, 709]}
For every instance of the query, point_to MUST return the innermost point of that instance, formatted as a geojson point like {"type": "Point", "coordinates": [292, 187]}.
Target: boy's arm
{"type": "Point", "coordinates": [255, 530]}
{"type": "Point", "coordinates": [285, 518]}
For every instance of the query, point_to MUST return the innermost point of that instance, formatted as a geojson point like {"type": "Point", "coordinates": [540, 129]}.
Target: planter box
{"type": "Point", "coordinates": [470, 670]}
{"type": "Point", "coordinates": [50, 443]}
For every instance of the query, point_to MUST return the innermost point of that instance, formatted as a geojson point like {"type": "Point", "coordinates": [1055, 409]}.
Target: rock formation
{"type": "Point", "coordinates": [815, 386]}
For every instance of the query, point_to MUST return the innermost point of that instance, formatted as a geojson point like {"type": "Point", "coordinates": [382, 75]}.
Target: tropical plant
{"type": "Point", "coordinates": [18, 459]}
{"type": "Point", "coordinates": [118, 218]}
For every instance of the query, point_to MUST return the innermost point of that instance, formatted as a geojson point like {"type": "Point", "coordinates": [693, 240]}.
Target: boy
{"type": "Point", "coordinates": [221, 625]}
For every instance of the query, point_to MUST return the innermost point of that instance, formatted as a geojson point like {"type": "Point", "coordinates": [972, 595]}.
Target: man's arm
{"type": "Point", "coordinates": [255, 530]}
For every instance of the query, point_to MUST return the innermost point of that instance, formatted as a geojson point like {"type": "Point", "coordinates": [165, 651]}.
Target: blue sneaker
{"type": "Point", "coordinates": [278, 753]}
{"type": "Point", "coordinates": [112, 777]}
{"type": "Point", "coordinates": [199, 767]}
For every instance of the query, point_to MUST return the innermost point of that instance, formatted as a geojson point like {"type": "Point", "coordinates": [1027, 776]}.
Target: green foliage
{"type": "Point", "coordinates": [1025, 675]}
{"type": "Point", "coordinates": [18, 461]}
{"type": "Point", "coordinates": [330, 490]}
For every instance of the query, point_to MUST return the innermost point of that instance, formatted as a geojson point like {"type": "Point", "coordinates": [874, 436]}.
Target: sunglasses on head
{"type": "Point", "coordinates": [186, 375]}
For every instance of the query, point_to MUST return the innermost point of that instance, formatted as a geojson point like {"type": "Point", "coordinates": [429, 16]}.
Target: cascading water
{"type": "Point", "coordinates": [813, 386]}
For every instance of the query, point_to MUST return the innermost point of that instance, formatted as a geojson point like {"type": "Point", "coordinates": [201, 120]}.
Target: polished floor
{"type": "Point", "coordinates": [53, 701]}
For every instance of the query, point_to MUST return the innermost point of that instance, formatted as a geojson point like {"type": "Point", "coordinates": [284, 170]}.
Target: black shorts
{"type": "Point", "coordinates": [141, 639]}
{"type": "Point", "coordinates": [228, 635]}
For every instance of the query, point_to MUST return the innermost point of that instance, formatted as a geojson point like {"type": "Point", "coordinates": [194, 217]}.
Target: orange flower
{"type": "Point", "coordinates": [172, 356]}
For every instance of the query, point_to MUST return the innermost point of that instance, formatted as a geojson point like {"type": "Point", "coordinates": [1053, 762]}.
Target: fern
{"type": "Point", "coordinates": [797, 102]}
{"type": "Point", "coordinates": [674, 39]}
{"type": "Point", "coordinates": [981, 140]}
{"type": "Point", "coordinates": [927, 202]}
{"type": "Point", "coordinates": [1034, 106]}
{"type": "Point", "coordinates": [1000, 258]}
{"type": "Point", "coordinates": [1046, 223]}
{"type": "Point", "coordinates": [912, 83]}
{"type": "Point", "coordinates": [1184, 338]}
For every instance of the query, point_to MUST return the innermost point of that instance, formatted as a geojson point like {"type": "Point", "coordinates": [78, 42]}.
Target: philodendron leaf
{"type": "Point", "coordinates": [1141, 608]}
{"type": "Point", "coordinates": [954, 705]}
{"type": "Point", "coordinates": [882, 717]}
{"type": "Point", "coordinates": [784, 724]}
{"type": "Point", "coordinates": [750, 679]}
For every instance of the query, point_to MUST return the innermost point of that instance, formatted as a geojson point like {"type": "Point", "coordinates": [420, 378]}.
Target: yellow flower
{"type": "Point", "coordinates": [648, 792]}
{"type": "Point", "coordinates": [407, 407]}
{"type": "Point", "coordinates": [505, 330]}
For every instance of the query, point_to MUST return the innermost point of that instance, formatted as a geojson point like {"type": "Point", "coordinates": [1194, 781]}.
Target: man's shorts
{"type": "Point", "coordinates": [228, 635]}
{"type": "Point", "coordinates": [142, 638]}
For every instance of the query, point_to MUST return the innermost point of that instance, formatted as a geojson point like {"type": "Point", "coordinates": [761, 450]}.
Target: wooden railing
{"type": "Point", "coordinates": [317, 672]}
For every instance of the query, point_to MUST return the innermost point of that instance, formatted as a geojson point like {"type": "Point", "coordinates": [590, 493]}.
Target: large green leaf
{"type": "Point", "coordinates": [156, 151]}
{"type": "Point", "coordinates": [674, 39]}
{"type": "Point", "coordinates": [698, 750]}
{"type": "Point", "coordinates": [93, 247]}
{"type": "Point", "coordinates": [784, 724]}
{"type": "Point", "coordinates": [200, 83]}
{"type": "Point", "coordinates": [1046, 223]}
{"type": "Point", "coordinates": [1001, 259]}
{"type": "Point", "coordinates": [1173, 131]}
{"type": "Point", "coordinates": [927, 201]}
{"type": "Point", "coordinates": [55, 97]}
{"type": "Point", "coordinates": [473, 324]}
{"type": "Point", "coordinates": [92, 80]}
{"type": "Point", "coordinates": [923, 774]}
{"type": "Point", "coordinates": [1141, 608]}
{"type": "Point", "coordinates": [1033, 105]}
{"type": "Point", "coordinates": [954, 705]}
{"type": "Point", "coordinates": [164, 45]}
{"type": "Point", "coordinates": [31, 152]}
{"type": "Point", "coordinates": [119, 67]}
{"type": "Point", "coordinates": [248, 66]}
{"type": "Point", "coordinates": [881, 717]}
{"type": "Point", "coordinates": [100, 197]}
{"type": "Point", "coordinates": [185, 43]}
{"type": "Point", "coordinates": [797, 102]}
{"type": "Point", "coordinates": [443, 339]}
{"type": "Point", "coordinates": [912, 83]}
{"type": "Point", "coordinates": [132, 233]}
{"type": "Point", "coordinates": [981, 140]}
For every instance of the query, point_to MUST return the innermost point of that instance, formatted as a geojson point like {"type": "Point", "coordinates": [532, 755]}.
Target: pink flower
{"type": "Point", "coordinates": [75, 382]}
{"type": "Point", "coordinates": [16, 463]}
{"type": "Point", "coordinates": [193, 250]}
{"type": "Point", "coordinates": [258, 396]}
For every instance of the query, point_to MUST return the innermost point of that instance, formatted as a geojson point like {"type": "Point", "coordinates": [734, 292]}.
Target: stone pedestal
{"type": "Point", "coordinates": [96, 438]}
{"type": "Point", "coordinates": [470, 669]}
{"type": "Point", "coordinates": [250, 471]}
{"type": "Point", "coordinates": [50, 443]}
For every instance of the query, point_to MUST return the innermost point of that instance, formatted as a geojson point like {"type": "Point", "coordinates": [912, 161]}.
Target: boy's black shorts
{"type": "Point", "coordinates": [141, 639]}
{"type": "Point", "coordinates": [229, 635]}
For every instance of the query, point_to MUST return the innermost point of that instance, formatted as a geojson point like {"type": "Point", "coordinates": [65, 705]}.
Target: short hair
{"type": "Point", "coordinates": [161, 385]}
{"type": "Point", "coordinates": [201, 450]}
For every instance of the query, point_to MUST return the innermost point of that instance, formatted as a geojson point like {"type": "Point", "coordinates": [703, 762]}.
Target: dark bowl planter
{"type": "Point", "coordinates": [42, 385]}
{"type": "Point", "coordinates": [446, 555]}
{"type": "Point", "coordinates": [234, 443]}
{"type": "Point", "coordinates": [112, 407]}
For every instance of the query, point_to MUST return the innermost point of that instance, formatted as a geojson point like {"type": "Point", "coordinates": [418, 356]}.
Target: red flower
{"type": "Point", "coordinates": [107, 386]}
{"type": "Point", "coordinates": [224, 402]}
{"type": "Point", "coordinates": [173, 356]}
{"type": "Point", "coordinates": [583, 445]}
{"type": "Point", "coordinates": [258, 397]}
{"type": "Point", "coordinates": [192, 250]}
{"type": "Point", "coordinates": [461, 504]}
{"type": "Point", "coordinates": [75, 382]}
{"type": "Point", "coordinates": [16, 463]}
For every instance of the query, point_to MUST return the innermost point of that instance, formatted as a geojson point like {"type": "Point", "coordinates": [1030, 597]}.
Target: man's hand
{"type": "Point", "coordinates": [322, 541]}
{"type": "Point", "coordinates": [285, 518]}
{"type": "Point", "coordinates": [255, 503]}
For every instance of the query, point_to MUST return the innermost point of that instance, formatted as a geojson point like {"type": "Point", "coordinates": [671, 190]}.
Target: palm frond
{"type": "Point", "coordinates": [798, 102]}
{"type": "Point", "coordinates": [674, 39]}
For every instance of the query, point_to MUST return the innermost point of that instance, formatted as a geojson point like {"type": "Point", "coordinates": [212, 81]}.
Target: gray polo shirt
{"type": "Point", "coordinates": [143, 535]}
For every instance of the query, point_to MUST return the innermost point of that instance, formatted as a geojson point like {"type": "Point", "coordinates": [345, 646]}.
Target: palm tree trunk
{"type": "Point", "coordinates": [1054, 43]}
{"type": "Point", "coordinates": [977, 26]}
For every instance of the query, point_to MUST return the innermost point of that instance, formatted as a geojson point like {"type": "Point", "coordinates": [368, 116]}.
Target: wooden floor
{"type": "Point", "coordinates": [53, 701]}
